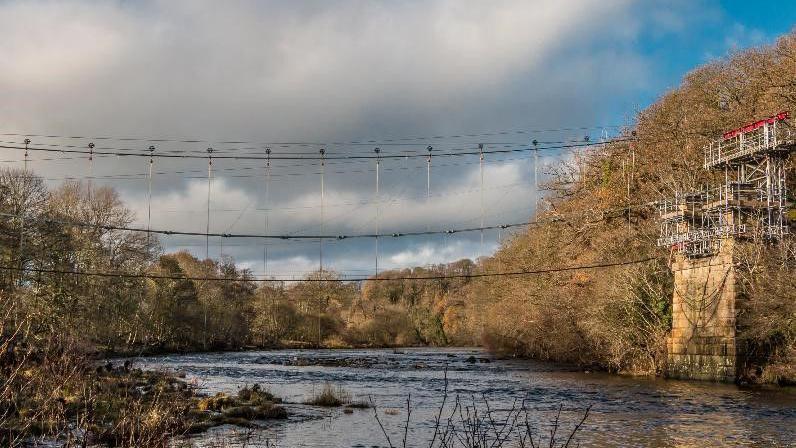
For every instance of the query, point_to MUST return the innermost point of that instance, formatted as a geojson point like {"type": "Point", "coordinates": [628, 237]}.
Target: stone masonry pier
{"type": "Point", "coordinates": [702, 343]}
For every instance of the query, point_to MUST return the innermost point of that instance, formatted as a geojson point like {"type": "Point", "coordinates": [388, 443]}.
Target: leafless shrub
{"type": "Point", "coordinates": [472, 423]}
{"type": "Point", "coordinates": [51, 390]}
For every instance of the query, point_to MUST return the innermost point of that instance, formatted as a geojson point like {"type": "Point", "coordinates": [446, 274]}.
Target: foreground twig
{"type": "Point", "coordinates": [475, 424]}
{"type": "Point", "coordinates": [378, 420]}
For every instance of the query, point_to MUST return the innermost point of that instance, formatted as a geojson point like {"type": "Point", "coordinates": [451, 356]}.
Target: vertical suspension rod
{"type": "Point", "coordinates": [323, 203]}
{"type": "Point", "coordinates": [481, 169]}
{"type": "Point", "coordinates": [209, 183]}
{"type": "Point", "coordinates": [428, 178]}
{"type": "Point", "coordinates": [89, 189]}
{"type": "Point", "coordinates": [428, 183]}
{"type": "Point", "coordinates": [267, 206]}
{"type": "Point", "coordinates": [22, 225]}
{"type": "Point", "coordinates": [536, 174]}
{"type": "Point", "coordinates": [90, 168]}
{"type": "Point", "coordinates": [27, 142]}
{"type": "Point", "coordinates": [149, 199]}
{"type": "Point", "coordinates": [207, 236]}
{"type": "Point", "coordinates": [378, 206]}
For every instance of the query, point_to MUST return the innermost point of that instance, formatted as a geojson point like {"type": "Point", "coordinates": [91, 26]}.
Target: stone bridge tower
{"type": "Point", "coordinates": [702, 228]}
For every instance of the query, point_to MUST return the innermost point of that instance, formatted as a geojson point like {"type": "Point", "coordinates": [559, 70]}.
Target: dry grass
{"type": "Point", "coordinates": [330, 396]}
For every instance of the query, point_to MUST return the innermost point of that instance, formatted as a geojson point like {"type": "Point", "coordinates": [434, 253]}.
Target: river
{"type": "Point", "coordinates": [624, 411]}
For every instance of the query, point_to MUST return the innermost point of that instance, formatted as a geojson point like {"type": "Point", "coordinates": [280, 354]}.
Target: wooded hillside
{"type": "Point", "coordinates": [598, 210]}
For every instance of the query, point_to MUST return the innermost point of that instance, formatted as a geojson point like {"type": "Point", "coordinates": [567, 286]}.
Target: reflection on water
{"type": "Point", "coordinates": [625, 411]}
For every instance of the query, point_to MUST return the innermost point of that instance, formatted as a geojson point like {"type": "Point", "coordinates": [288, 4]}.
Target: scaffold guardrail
{"type": "Point", "coordinates": [770, 134]}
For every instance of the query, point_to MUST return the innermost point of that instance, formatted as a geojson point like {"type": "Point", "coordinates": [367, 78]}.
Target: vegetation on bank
{"type": "Point", "coordinates": [51, 390]}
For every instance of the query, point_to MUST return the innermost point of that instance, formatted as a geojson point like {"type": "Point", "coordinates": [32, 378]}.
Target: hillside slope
{"type": "Point", "coordinates": [619, 318]}
{"type": "Point", "coordinates": [599, 209]}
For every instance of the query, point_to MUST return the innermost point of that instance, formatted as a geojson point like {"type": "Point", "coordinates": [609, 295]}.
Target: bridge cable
{"type": "Point", "coordinates": [365, 142]}
{"type": "Point", "coordinates": [464, 152]}
{"type": "Point", "coordinates": [326, 236]}
{"type": "Point", "coordinates": [239, 152]}
{"type": "Point", "coordinates": [339, 280]}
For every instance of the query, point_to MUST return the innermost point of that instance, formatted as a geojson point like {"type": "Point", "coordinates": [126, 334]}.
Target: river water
{"type": "Point", "coordinates": [624, 411]}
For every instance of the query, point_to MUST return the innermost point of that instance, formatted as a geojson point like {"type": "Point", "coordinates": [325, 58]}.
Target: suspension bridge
{"type": "Point", "coordinates": [263, 170]}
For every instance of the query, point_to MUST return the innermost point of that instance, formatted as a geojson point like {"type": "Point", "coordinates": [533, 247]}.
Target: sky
{"type": "Point", "coordinates": [345, 76]}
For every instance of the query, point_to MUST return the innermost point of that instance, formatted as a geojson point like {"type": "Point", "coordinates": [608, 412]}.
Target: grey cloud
{"type": "Point", "coordinates": [317, 72]}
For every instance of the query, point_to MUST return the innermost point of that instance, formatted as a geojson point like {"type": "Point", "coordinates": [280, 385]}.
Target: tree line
{"type": "Point", "coordinates": [158, 305]}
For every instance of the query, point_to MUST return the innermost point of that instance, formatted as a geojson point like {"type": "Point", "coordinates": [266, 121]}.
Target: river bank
{"type": "Point", "coordinates": [79, 403]}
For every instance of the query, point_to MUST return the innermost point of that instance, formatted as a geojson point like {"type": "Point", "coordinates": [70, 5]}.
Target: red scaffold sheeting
{"type": "Point", "coordinates": [756, 125]}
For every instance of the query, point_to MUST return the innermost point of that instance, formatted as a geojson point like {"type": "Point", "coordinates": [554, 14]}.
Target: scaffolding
{"type": "Point", "coordinates": [751, 203]}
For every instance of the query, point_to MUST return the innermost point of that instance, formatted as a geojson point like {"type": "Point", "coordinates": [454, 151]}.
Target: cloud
{"type": "Point", "coordinates": [429, 254]}
{"type": "Point", "coordinates": [741, 36]}
{"type": "Point", "coordinates": [236, 209]}
{"type": "Point", "coordinates": [54, 46]}
{"type": "Point", "coordinates": [254, 69]}
{"type": "Point", "coordinates": [324, 71]}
